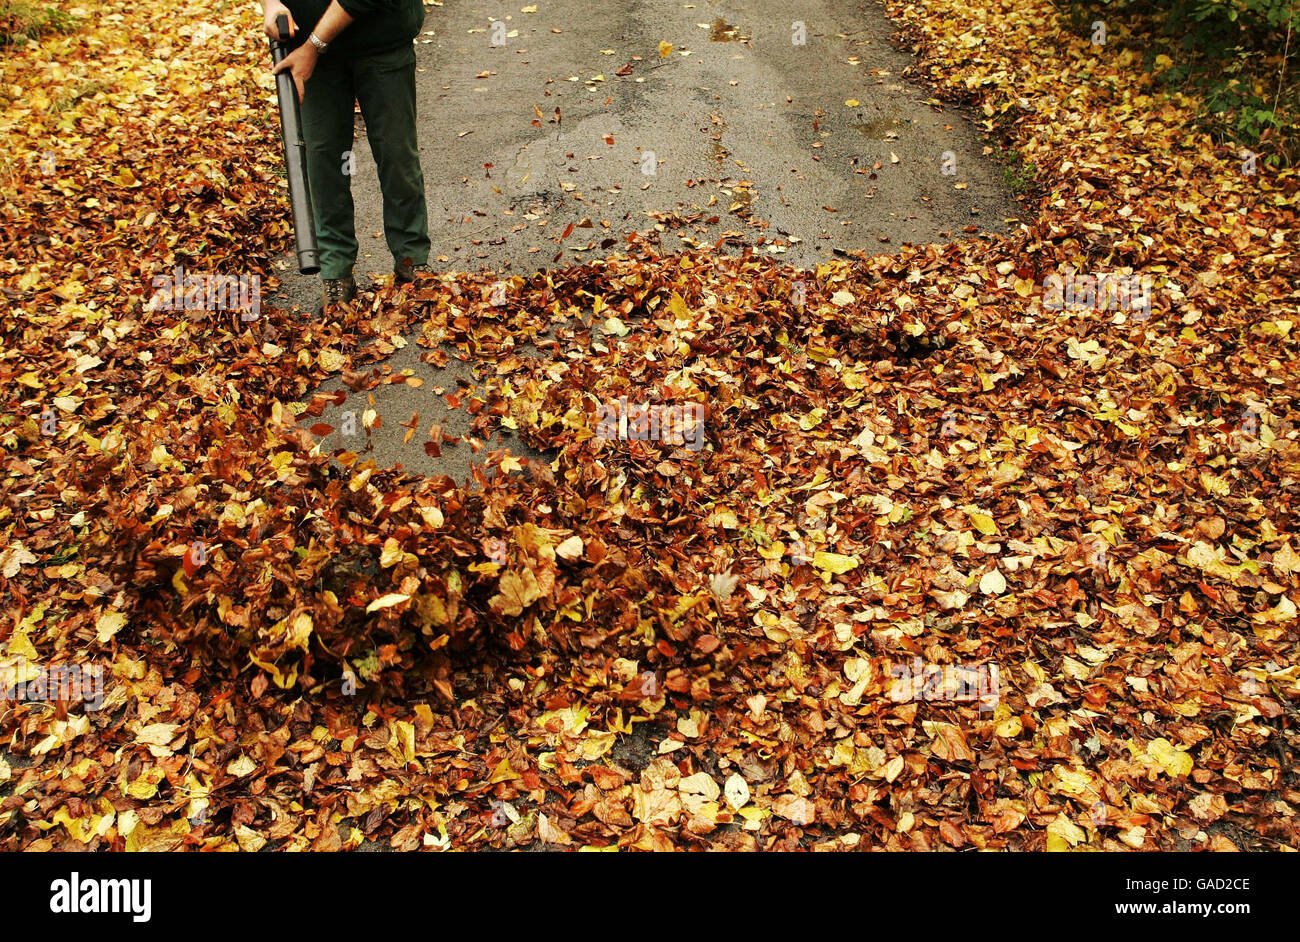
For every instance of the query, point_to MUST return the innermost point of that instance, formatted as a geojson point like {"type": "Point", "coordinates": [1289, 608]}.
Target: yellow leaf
{"type": "Point", "coordinates": [1283, 611]}
{"type": "Point", "coordinates": [517, 591]}
{"type": "Point", "coordinates": [983, 522]}
{"type": "Point", "coordinates": [109, 624]}
{"type": "Point", "coordinates": [1133, 837]}
{"type": "Point", "coordinates": [1215, 485]}
{"type": "Point", "coordinates": [21, 646]}
{"type": "Point", "coordinates": [1057, 844]}
{"type": "Point", "coordinates": [812, 419]}
{"type": "Point", "coordinates": [723, 517]}
{"type": "Point", "coordinates": [387, 601]}
{"type": "Point", "coordinates": [549, 833]}
{"type": "Point", "coordinates": [893, 768]}
{"type": "Point", "coordinates": [503, 773]}
{"type": "Point", "coordinates": [156, 734]}
{"type": "Point", "coordinates": [1066, 830]}
{"type": "Point", "coordinates": [331, 361]}
{"type": "Point", "coordinates": [402, 744]}
{"type": "Point", "coordinates": [299, 634]}
{"type": "Point", "coordinates": [1070, 782]}
{"type": "Point", "coordinates": [834, 562]}
{"type": "Point", "coordinates": [1175, 761]}
{"type": "Point", "coordinates": [993, 582]}
{"type": "Point", "coordinates": [1286, 560]}
{"type": "Point", "coordinates": [391, 554]}
{"type": "Point", "coordinates": [665, 49]}
{"type": "Point", "coordinates": [737, 792]}
{"type": "Point", "coordinates": [573, 720]}
{"type": "Point", "coordinates": [241, 767]}
{"type": "Point", "coordinates": [146, 786]}
{"type": "Point", "coordinates": [702, 784]}
{"type": "Point", "coordinates": [596, 745]}
{"type": "Point", "coordinates": [249, 840]}
{"type": "Point", "coordinates": [1010, 728]}
{"type": "Point", "coordinates": [75, 826]}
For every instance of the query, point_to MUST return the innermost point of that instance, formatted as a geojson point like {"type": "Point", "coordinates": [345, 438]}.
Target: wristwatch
{"type": "Point", "coordinates": [320, 44]}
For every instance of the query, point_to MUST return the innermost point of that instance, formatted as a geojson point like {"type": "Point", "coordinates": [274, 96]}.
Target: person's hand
{"type": "Point", "coordinates": [301, 63]}
{"type": "Point", "coordinates": [275, 9]}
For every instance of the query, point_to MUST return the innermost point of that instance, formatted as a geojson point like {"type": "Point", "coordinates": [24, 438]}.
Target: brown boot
{"type": "Point", "coordinates": [336, 291]}
{"type": "Point", "coordinates": [406, 271]}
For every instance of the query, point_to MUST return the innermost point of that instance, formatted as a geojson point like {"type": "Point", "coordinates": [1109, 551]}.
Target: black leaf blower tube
{"type": "Point", "coordinates": [295, 157]}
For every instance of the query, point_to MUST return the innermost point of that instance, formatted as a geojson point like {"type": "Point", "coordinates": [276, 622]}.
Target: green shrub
{"type": "Point", "coordinates": [1235, 54]}
{"type": "Point", "coordinates": [21, 21]}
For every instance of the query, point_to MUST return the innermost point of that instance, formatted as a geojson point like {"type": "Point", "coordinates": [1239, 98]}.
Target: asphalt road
{"type": "Point", "coordinates": [798, 148]}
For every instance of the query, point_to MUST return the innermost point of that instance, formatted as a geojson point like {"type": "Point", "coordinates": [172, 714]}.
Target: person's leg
{"type": "Point", "coordinates": [327, 127]}
{"type": "Point", "coordinates": [385, 86]}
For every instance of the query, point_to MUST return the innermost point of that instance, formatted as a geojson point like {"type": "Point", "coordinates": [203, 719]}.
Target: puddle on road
{"type": "Point", "coordinates": [879, 129]}
{"type": "Point", "coordinates": [724, 32]}
{"type": "Point", "coordinates": [741, 199]}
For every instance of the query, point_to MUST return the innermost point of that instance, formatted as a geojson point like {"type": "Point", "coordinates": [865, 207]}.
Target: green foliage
{"type": "Point", "coordinates": [1235, 54]}
{"type": "Point", "coordinates": [22, 21]}
{"type": "Point", "coordinates": [1017, 175]}
{"type": "Point", "coordinates": [69, 97]}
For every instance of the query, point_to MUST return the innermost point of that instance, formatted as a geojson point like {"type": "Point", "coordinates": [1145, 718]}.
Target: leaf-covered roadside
{"type": "Point", "coordinates": [1068, 496]}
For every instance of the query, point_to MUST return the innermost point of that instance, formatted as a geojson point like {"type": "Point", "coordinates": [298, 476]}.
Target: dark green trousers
{"type": "Point", "coordinates": [384, 85]}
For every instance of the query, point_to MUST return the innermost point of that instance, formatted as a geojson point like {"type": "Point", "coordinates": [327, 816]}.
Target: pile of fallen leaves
{"type": "Point", "coordinates": [908, 459]}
